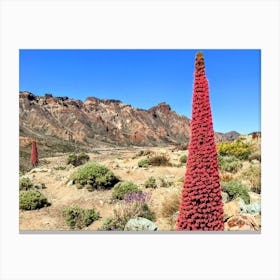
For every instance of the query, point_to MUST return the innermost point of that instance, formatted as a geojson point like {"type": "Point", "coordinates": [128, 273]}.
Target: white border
{"type": "Point", "coordinates": [140, 24]}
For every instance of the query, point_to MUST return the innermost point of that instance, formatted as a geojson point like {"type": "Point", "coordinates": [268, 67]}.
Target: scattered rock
{"type": "Point", "coordinates": [140, 224]}
{"type": "Point", "coordinates": [37, 169]}
{"type": "Point", "coordinates": [254, 197]}
{"type": "Point", "coordinates": [70, 183]}
{"type": "Point", "coordinates": [231, 208]}
{"type": "Point", "coordinates": [225, 197]}
{"type": "Point", "coordinates": [39, 186]}
{"type": "Point", "coordinates": [242, 222]}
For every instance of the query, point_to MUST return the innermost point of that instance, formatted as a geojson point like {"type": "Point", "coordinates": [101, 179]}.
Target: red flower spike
{"type": "Point", "coordinates": [34, 154]}
{"type": "Point", "coordinates": [201, 206]}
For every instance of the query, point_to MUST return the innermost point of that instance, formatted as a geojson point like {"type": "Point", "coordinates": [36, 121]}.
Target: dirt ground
{"type": "Point", "coordinates": [123, 163]}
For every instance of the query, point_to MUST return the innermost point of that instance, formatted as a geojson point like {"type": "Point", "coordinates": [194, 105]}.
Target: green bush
{"type": "Point", "coordinates": [25, 183]}
{"type": "Point", "coordinates": [77, 159]}
{"type": "Point", "coordinates": [143, 162]}
{"type": "Point", "coordinates": [78, 218]}
{"type": "Point", "coordinates": [183, 159]}
{"type": "Point", "coordinates": [237, 148]}
{"type": "Point", "coordinates": [150, 183]}
{"type": "Point", "coordinates": [31, 200]}
{"type": "Point", "coordinates": [163, 183]}
{"type": "Point", "coordinates": [159, 160]}
{"type": "Point", "coordinates": [229, 163]}
{"type": "Point", "coordinates": [235, 189]}
{"type": "Point", "coordinates": [94, 176]}
{"type": "Point", "coordinates": [123, 188]}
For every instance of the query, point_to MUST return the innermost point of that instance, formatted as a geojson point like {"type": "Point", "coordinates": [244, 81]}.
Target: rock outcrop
{"type": "Point", "coordinates": [98, 122]}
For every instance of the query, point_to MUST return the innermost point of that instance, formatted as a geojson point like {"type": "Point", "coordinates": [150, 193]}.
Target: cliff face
{"type": "Point", "coordinates": [100, 122]}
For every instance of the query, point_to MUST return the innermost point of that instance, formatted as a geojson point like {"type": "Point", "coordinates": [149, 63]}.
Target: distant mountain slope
{"type": "Point", "coordinates": [102, 122]}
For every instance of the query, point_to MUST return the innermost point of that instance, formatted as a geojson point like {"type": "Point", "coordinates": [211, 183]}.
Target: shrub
{"type": "Point", "coordinates": [150, 183]}
{"type": "Point", "coordinates": [229, 163]}
{"type": "Point", "coordinates": [235, 189]}
{"type": "Point", "coordinates": [255, 156]}
{"type": "Point", "coordinates": [25, 183]}
{"type": "Point", "coordinates": [94, 175]}
{"type": "Point", "coordinates": [237, 148]}
{"type": "Point", "coordinates": [183, 159]}
{"type": "Point", "coordinates": [143, 162]}
{"type": "Point", "coordinates": [159, 160]}
{"type": "Point", "coordinates": [163, 183]}
{"type": "Point", "coordinates": [78, 218]}
{"type": "Point", "coordinates": [253, 175]}
{"type": "Point", "coordinates": [60, 167]}
{"type": "Point", "coordinates": [31, 200]}
{"type": "Point", "coordinates": [170, 205]}
{"type": "Point", "coordinates": [144, 153]}
{"type": "Point", "coordinates": [134, 205]}
{"type": "Point", "coordinates": [123, 188]}
{"type": "Point", "coordinates": [226, 177]}
{"type": "Point", "coordinates": [77, 159]}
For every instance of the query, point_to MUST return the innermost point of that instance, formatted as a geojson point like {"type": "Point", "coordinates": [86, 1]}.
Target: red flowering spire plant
{"type": "Point", "coordinates": [34, 154]}
{"type": "Point", "coordinates": [201, 206]}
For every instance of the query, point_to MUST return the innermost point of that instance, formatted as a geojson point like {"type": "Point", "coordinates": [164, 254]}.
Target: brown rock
{"type": "Point", "coordinates": [242, 222]}
{"type": "Point", "coordinates": [231, 208]}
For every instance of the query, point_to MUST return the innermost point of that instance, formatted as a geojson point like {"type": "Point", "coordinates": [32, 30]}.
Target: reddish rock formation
{"type": "Point", "coordinates": [98, 122]}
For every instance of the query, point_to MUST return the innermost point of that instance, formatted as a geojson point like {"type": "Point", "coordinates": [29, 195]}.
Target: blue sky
{"type": "Point", "coordinates": [144, 78]}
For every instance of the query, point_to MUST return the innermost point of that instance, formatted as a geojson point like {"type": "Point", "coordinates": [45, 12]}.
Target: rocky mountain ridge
{"type": "Point", "coordinates": [102, 122]}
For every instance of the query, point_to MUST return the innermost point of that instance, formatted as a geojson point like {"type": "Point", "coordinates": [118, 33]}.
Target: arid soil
{"type": "Point", "coordinates": [123, 163]}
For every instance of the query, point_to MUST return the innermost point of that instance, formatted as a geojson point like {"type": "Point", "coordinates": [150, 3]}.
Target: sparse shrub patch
{"type": "Point", "coordinates": [183, 159]}
{"type": "Point", "coordinates": [150, 183]}
{"type": "Point", "coordinates": [134, 205]}
{"type": "Point", "coordinates": [143, 162]}
{"type": "Point", "coordinates": [159, 160]}
{"type": "Point", "coordinates": [229, 163]}
{"type": "Point", "coordinates": [253, 175]}
{"type": "Point", "coordinates": [123, 188]}
{"type": "Point", "coordinates": [94, 176]}
{"type": "Point", "coordinates": [164, 183]}
{"type": "Point", "coordinates": [25, 183]}
{"type": "Point", "coordinates": [78, 218]}
{"type": "Point", "coordinates": [235, 189]}
{"type": "Point", "coordinates": [77, 159]}
{"type": "Point", "coordinates": [31, 200]}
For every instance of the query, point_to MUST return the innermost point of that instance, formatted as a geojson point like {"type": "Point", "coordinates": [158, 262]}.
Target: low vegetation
{"type": "Point", "coordinates": [94, 176]}
{"type": "Point", "coordinates": [123, 188]}
{"type": "Point", "coordinates": [150, 183]}
{"type": "Point", "coordinates": [238, 148]}
{"type": "Point", "coordinates": [183, 159]}
{"type": "Point", "coordinates": [253, 175]}
{"type": "Point", "coordinates": [134, 205]}
{"type": "Point", "coordinates": [25, 183]}
{"type": "Point", "coordinates": [143, 162]}
{"type": "Point", "coordinates": [159, 160]}
{"type": "Point", "coordinates": [235, 189]}
{"type": "Point", "coordinates": [77, 159]}
{"type": "Point", "coordinates": [31, 200]}
{"type": "Point", "coordinates": [78, 218]}
{"type": "Point", "coordinates": [229, 163]}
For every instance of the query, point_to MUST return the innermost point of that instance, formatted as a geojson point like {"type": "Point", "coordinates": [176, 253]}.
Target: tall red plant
{"type": "Point", "coordinates": [34, 154]}
{"type": "Point", "coordinates": [201, 206]}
